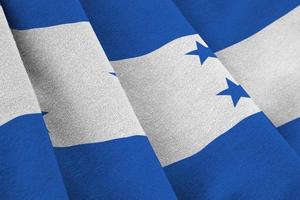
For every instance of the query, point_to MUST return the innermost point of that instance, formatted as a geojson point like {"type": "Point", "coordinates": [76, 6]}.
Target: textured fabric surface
{"type": "Point", "coordinates": [149, 99]}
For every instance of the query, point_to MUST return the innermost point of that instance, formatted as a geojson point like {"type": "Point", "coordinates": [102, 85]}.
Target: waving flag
{"type": "Point", "coordinates": [28, 167]}
{"type": "Point", "coordinates": [99, 144]}
{"type": "Point", "coordinates": [149, 99]}
{"type": "Point", "coordinates": [261, 51]}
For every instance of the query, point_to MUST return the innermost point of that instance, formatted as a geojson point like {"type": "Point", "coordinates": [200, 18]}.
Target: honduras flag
{"type": "Point", "coordinates": [149, 99]}
{"type": "Point", "coordinates": [261, 51]}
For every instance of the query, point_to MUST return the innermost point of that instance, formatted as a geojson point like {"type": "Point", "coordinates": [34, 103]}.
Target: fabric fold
{"type": "Point", "coordinates": [28, 166]}
{"type": "Point", "coordinates": [149, 99]}
{"type": "Point", "coordinates": [211, 138]}
{"type": "Point", "coordinates": [100, 146]}
{"type": "Point", "coordinates": [261, 54]}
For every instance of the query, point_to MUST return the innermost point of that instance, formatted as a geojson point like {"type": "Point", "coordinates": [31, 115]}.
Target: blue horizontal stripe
{"type": "Point", "coordinates": [124, 168]}
{"type": "Point", "coordinates": [22, 14]}
{"type": "Point", "coordinates": [224, 23]}
{"type": "Point", "coordinates": [28, 169]}
{"type": "Point", "coordinates": [133, 28]}
{"type": "Point", "coordinates": [291, 132]}
{"type": "Point", "coordinates": [250, 161]}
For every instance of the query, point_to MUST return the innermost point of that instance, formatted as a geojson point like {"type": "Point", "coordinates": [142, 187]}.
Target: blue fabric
{"type": "Point", "coordinates": [222, 23]}
{"type": "Point", "coordinates": [42, 13]}
{"type": "Point", "coordinates": [249, 161]}
{"type": "Point", "coordinates": [118, 169]}
{"type": "Point", "coordinates": [290, 131]}
{"type": "Point", "coordinates": [136, 30]}
{"type": "Point", "coordinates": [28, 167]}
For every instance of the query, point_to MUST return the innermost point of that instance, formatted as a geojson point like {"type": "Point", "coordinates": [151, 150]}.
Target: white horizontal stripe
{"type": "Point", "coordinates": [268, 66]}
{"type": "Point", "coordinates": [175, 98]}
{"type": "Point", "coordinates": [70, 75]}
{"type": "Point", "coordinates": [16, 93]}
